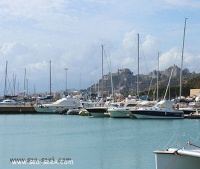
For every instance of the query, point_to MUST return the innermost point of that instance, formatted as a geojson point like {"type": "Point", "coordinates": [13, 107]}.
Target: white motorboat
{"type": "Point", "coordinates": [98, 111]}
{"type": "Point", "coordinates": [174, 158]}
{"type": "Point", "coordinates": [191, 108]}
{"type": "Point", "coordinates": [142, 104]}
{"type": "Point", "coordinates": [7, 102]}
{"type": "Point", "coordinates": [123, 110]}
{"type": "Point", "coordinates": [101, 109]}
{"type": "Point", "coordinates": [59, 106]}
{"type": "Point", "coordinates": [163, 109]}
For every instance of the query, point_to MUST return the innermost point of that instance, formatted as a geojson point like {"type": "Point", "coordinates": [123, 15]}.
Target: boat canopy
{"type": "Point", "coordinates": [167, 104]}
{"type": "Point", "coordinates": [66, 101]}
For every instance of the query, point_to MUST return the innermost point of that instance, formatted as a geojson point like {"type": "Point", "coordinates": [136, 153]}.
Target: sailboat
{"type": "Point", "coordinates": [181, 158]}
{"type": "Point", "coordinates": [101, 110]}
{"type": "Point", "coordinates": [163, 109]}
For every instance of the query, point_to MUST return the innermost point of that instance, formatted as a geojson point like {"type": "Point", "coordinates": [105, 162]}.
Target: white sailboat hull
{"type": "Point", "coordinates": [177, 159]}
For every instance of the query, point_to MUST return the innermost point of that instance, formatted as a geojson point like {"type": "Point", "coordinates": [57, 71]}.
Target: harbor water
{"type": "Point", "coordinates": [88, 143]}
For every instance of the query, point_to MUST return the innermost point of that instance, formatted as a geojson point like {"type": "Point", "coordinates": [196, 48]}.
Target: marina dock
{"type": "Point", "coordinates": [19, 109]}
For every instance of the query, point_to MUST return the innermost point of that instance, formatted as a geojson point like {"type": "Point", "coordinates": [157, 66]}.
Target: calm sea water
{"type": "Point", "coordinates": [92, 143]}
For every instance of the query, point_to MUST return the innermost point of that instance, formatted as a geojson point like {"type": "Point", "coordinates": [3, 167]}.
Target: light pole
{"type": "Point", "coordinates": [66, 78]}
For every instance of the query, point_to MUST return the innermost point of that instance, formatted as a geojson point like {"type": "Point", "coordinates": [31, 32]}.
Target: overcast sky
{"type": "Point", "coordinates": [69, 33]}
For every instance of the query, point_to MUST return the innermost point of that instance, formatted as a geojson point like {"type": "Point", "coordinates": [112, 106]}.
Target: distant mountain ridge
{"type": "Point", "coordinates": [125, 82]}
{"type": "Point", "coordinates": [167, 72]}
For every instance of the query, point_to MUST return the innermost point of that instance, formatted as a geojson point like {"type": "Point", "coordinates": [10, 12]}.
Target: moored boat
{"type": "Point", "coordinates": [101, 109]}
{"type": "Point", "coordinates": [163, 109]}
{"type": "Point", "coordinates": [142, 104]}
{"type": "Point", "coordinates": [191, 108]}
{"type": "Point", "coordinates": [123, 110]}
{"type": "Point", "coordinates": [59, 106]}
{"type": "Point", "coordinates": [7, 102]}
{"type": "Point", "coordinates": [11, 106]}
{"type": "Point", "coordinates": [195, 115]}
{"type": "Point", "coordinates": [98, 111]}
{"type": "Point", "coordinates": [120, 112]}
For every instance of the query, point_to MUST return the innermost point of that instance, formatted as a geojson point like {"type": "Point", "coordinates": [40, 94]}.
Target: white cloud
{"type": "Point", "coordinates": [150, 45]}
{"type": "Point", "coordinates": [127, 53]}
{"type": "Point", "coordinates": [169, 58]}
{"type": "Point", "coordinates": [70, 34]}
{"type": "Point", "coordinates": [192, 4]}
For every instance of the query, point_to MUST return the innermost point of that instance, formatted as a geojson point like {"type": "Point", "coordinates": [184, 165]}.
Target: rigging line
{"type": "Point", "coordinates": [144, 56]}
{"type": "Point", "coordinates": [195, 140]}
{"type": "Point", "coordinates": [147, 68]}
{"type": "Point", "coordinates": [197, 137]}
{"type": "Point", "coordinates": [178, 134]}
{"type": "Point", "coordinates": [170, 78]}
{"type": "Point", "coordinates": [190, 40]}
{"type": "Point", "coordinates": [169, 165]}
{"type": "Point", "coordinates": [54, 75]}
{"type": "Point", "coordinates": [1, 83]}
{"type": "Point", "coordinates": [171, 140]}
{"type": "Point", "coordinates": [151, 81]}
{"type": "Point", "coordinates": [9, 85]}
{"type": "Point", "coordinates": [109, 66]}
{"type": "Point", "coordinates": [150, 86]}
{"type": "Point", "coordinates": [177, 141]}
{"type": "Point", "coordinates": [169, 82]}
{"type": "Point", "coordinates": [189, 143]}
{"type": "Point", "coordinates": [110, 70]}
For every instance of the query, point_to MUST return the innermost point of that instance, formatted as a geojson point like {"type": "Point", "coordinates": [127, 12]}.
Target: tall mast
{"type": "Point", "coordinates": [157, 76]}
{"type": "Point", "coordinates": [182, 58]}
{"type": "Point", "coordinates": [6, 72]}
{"type": "Point", "coordinates": [66, 78]}
{"type": "Point", "coordinates": [25, 82]}
{"type": "Point", "coordinates": [18, 88]}
{"type": "Point", "coordinates": [27, 87]}
{"type": "Point", "coordinates": [14, 84]}
{"type": "Point", "coordinates": [138, 66]}
{"type": "Point", "coordinates": [111, 78]}
{"type": "Point", "coordinates": [34, 90]}
{"type": "Point", "coordinates": [80, 84]}
{"type": "Point", "coordinates": [50, 79]}
{"type": "Point", "coordinates": [102, 72]}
